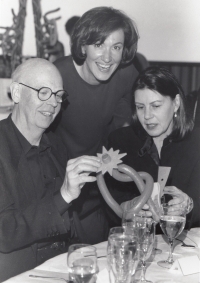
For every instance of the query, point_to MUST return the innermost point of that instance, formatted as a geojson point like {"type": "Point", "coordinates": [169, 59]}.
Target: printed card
{"type": "Point", "coordinates": [189, 264]}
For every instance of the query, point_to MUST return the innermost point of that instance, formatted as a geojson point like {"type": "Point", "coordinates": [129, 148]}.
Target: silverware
{"type": "Point", "coordinates": [184, 244]}
{"type": "Point", "coordinates": [51, 277]}
{"type": "Point", "coordinates": [99, 256]}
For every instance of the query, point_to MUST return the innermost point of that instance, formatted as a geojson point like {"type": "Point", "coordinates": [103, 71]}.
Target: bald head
{"type": "Point", "coordinates": [31, 114]}
{"type": "Point", "coordinates": [31, 68]}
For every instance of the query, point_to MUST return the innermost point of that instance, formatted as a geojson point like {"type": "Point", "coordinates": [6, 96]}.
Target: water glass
{"type": "Point", "coordinates": [82, 263]}
{"type": "Point", "coordinates": [122, 265]}
{"type": "Point", "coordinates": [114, 230]}
{"type": "Point", "coordinates": [119, 240]}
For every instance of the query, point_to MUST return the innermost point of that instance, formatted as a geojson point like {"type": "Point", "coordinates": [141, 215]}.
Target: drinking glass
{"type": "Point", "coordinates": [120, 239]}
{"type": "Point", "coordinates": [122, 265]}
{"type": "Point", "coordinates": [131, 223]}
{"type": "Point", "coordinates": [172, 222]}
{"type": "Point", "coordinates": [132, 226]}
{"type": "Point", "coordinates": [113, 230]}
{"type": "Point", "coordinates": [145, 244]}
{"type": "Point", "coordinates": [129, 220]}
{"type": "Point", "coordinates": [82, 263]}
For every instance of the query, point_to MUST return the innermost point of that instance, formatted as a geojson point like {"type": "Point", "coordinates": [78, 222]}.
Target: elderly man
{"type": "Point", "coordinates": [36, 188]}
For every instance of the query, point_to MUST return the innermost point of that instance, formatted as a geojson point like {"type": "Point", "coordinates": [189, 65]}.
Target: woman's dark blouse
{"type": "Point", "coordinates": [182, 156]}
{"type": "Point", "coordinates": [93, 111]}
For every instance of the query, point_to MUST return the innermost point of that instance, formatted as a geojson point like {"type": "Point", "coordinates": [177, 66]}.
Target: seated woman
{"type": "Point", "coordinates": [162, 135]}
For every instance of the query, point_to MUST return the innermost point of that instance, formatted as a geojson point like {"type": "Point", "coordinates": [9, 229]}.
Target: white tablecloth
{"type": "Point", "coordinates": [57, 266]}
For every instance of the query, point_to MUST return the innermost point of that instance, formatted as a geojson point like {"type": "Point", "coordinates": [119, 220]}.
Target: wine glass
{"type": "Point", "coordinates": [82, 263]}
{"type": "Point", "coordinates": [129, 220]}
{"type": "Point", "coordinates": [146, 227]}
{"type": "Point", "coordinates": [122, 265]}
{"type": "Point", "coordinates": [172, 222]}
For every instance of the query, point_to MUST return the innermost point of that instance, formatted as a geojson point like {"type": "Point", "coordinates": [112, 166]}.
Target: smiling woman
{"type": "Point", "coordinates": [102, 58]}
{"type": "Point", "coordinates": [98, 77]}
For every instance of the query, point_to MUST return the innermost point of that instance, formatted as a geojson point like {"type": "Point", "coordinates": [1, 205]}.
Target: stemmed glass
{"type": "Point", "coordinates": [129, 221]}
{"type": "Point", "coordinates": [172, 222]}
{"type": "Point", "coordinates": [82, 263]}
{"type": "Point", "coordinates": [146, 228]}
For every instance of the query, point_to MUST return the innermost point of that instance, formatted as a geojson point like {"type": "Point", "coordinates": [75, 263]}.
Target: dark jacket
{"type": "Point", "coordinates": [26, 221]}
{"type": "Point", "coordinates": [182, 156]}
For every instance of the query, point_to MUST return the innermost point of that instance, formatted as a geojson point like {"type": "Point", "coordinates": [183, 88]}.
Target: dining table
{"type": "Point", "coordinates": [57, 266]}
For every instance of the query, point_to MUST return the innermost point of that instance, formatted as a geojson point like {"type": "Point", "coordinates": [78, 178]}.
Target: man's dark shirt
{"type": "Point", "coordinates": [44, 173]}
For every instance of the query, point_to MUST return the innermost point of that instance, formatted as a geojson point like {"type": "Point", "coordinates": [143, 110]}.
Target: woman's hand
{"type": "Point", "coordinates": [181, 197]}
{"type": "Point", "coordinates": [77, 174]}
{"type": "Point", "coordinates": [128, 205]}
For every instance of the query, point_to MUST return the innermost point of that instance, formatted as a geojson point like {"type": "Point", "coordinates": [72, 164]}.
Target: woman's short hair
{"type": "Point", "coordinates": [96, 25]}
{"type": "Point", "coordinates": [164, 82]}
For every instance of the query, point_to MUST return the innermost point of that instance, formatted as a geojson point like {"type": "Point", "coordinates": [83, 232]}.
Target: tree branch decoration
{"type": "Point", "coordinates": [46, 34]}
{"type": "Point", "coordinates": [12, 39]}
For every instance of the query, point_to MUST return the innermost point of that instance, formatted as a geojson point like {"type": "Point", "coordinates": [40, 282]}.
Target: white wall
{"type": "Point", "coordinates": [169, 29]}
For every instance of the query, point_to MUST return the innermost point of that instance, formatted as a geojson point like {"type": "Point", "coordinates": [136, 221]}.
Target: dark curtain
{"type": "Point", "coordinates": [188, 74]}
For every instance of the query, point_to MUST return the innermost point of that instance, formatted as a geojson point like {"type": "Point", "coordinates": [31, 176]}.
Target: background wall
{"type": "Point", "coordinates": [169, 29]}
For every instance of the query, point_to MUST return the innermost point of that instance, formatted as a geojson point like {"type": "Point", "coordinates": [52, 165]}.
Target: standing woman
{"type": "Point", "coordinates": [162, 135]}
{"type": "Point", "coordinates": [99, 82]}
{"type": "Point", "coordinates": [98, 79]}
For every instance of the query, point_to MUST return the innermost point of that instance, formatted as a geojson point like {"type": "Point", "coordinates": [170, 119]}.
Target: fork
{"type": "Point", "coordinates": [184, 244]}
{"type": "Point", "coordinates": [51, 277]}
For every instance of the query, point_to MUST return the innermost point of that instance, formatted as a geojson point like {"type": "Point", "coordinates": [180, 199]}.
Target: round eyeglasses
{"type": "Point", "coordinates": [44, 93]}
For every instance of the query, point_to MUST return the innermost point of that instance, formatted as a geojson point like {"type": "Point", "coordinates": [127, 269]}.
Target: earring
{"type": "Point", "coordinates": [83, 50]}
{"type": "Point", "coordinates": [175, 114]}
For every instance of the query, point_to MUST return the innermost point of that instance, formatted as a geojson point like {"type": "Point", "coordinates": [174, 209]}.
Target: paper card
{"type": "Point", "coordinates": [189, 264]}
{"type": "Point", "coordinates": [163, 174]}
{"type": "Point", "coordinates": [175, 267]}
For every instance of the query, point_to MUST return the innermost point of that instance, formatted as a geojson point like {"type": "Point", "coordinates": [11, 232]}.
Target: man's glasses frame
{"type": "Point", "coordinates": [59, 98]}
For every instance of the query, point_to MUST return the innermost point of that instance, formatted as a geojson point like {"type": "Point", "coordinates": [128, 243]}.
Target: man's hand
{"type": "Point", "coordinates": [77, 174]}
